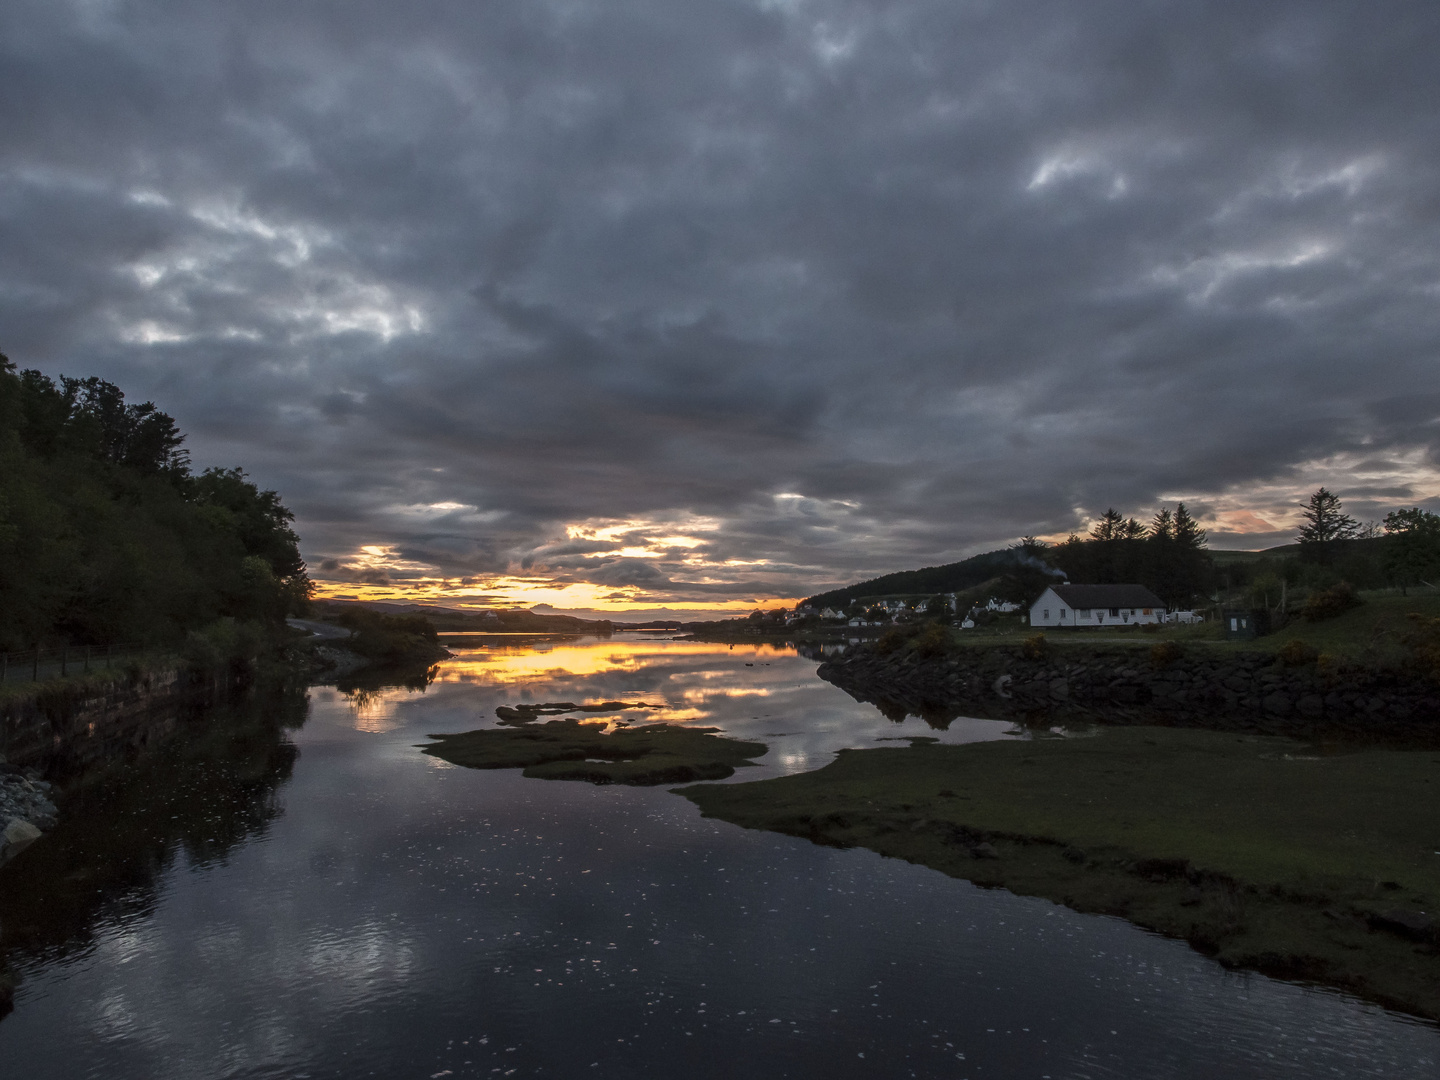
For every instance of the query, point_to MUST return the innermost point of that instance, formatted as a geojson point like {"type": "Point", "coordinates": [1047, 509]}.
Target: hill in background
{"type": "Point", "coordinates": [513, 621]}
{"type": "Point", "coordinates": [952, 577]}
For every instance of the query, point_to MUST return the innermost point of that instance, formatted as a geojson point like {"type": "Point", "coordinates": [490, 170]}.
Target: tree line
{"type": "Point", "coordinates": [1167, 555]}
{"type": "Point", "coordinates": [1170, 557]}
{"type": "Point", "coordinates": [107, 535]}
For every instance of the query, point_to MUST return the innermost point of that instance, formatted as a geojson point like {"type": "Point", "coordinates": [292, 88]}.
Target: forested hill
{"type": "Point", "coordinates": [107, 536]}
{"type": "Point", "coordinates": [952, 577]}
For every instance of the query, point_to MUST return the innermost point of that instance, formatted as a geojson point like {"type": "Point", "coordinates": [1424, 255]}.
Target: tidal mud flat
{"type": "Point", "coordinates": [579, 750]}
{"type": "Point", "coordinates": [1261, 852]}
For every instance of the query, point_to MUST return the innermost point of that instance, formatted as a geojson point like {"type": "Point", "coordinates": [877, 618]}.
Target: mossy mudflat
{"type": "Point", "coordinates": [1261, 851]}
{"type": "Point", "coordinates": [572, 750]}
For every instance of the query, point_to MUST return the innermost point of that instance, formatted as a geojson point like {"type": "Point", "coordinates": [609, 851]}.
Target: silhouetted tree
{"type": "Point", "coordinates": [1325, 525]}
{"type": "Point", "coordinates": [106, 536]}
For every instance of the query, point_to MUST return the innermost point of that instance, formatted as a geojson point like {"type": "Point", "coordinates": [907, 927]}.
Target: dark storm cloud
{"type": "Point", "coordinates": [831, 288]}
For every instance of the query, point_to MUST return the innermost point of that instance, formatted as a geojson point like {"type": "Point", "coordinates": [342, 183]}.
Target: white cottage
{"type": "Point", "coordinates": [1096, 605]}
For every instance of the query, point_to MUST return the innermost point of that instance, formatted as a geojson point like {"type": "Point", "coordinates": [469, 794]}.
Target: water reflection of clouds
{"type": "Point", "coordinates": [400, 911]}
{"type": "Point", "coordinates": [747, 691]}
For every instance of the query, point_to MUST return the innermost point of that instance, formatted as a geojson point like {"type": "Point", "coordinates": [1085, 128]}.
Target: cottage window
{"type": "Point", "coordinates": [1047, 613]}
{"type": "Point", "coordinates": [1114, 611]}
{"type": "Point", "coordinates": [1062, 613]}
{"type": "Point", "coordinates": [1147, 611]}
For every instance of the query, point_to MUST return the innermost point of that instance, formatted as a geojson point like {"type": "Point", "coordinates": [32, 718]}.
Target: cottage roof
{"type": "Point", "coordinates": [1107, 596]}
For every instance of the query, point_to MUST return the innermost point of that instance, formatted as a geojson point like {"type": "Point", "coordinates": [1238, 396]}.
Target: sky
{"type": "Point", "coordinates": [668, 306]}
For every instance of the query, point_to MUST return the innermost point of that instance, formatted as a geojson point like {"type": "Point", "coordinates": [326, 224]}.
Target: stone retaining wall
{"type": "Point", "coordinates": [69, 723]}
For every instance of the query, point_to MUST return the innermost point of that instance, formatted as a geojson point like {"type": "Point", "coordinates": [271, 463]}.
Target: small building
{"type": "Point", "coordinates": [1244, 625]}
{"type": "Point", "coordinates": [1096, 606]}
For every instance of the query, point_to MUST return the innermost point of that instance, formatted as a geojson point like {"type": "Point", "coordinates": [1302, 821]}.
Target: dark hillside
{"type": "Point", "coordinates": [952, 577]}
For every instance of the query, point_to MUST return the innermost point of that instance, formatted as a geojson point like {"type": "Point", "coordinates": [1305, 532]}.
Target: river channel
{"type": "Point", "coordinates": [291, 889]}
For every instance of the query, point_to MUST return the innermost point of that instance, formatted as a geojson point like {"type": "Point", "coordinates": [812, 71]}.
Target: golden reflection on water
{"type": "Point", "coordinates": [542, 662]}
{"type": "Point", "coordinates": [538, 662]}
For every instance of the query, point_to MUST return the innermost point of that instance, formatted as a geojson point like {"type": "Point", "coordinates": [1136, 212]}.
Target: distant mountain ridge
{"type": "Point", "coordinates": [952, 577]}
{"type": "Point", "coordinates": [510, 620]}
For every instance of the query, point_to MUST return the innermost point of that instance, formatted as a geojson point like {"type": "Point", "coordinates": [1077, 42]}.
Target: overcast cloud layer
{"type": "Point", "coordinates": [720, 301]}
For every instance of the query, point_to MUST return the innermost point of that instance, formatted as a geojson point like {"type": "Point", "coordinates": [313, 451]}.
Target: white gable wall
{"type": "Point", "coordinates": [1047, 611]}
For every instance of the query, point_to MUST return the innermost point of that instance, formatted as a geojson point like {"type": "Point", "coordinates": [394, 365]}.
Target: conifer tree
{"type": "Point", "coordinates": [1326, 524]}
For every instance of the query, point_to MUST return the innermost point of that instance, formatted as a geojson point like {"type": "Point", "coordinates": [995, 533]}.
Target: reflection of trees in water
{"type": "Point", "coordinates": [202, 791]}
{"type": "Point", "coordinates": [937, 716]}
{"type": "Point", "coordinates": [367, 686]}
{"type": "Point", "coordinates": [813, 650]}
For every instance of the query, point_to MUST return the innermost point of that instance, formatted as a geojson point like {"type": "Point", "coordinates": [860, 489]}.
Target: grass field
{"type": "Point", "coordinates": [1264, 852]}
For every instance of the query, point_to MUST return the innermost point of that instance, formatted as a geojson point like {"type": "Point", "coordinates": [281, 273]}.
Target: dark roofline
{"type": "Point", "coordinates": [1107, 596]}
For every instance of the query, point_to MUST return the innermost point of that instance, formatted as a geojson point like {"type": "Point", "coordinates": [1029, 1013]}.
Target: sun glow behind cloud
{"type": "Point", "coordinates": [511, 592]}
{"type": "Point", "coordinates": [1270, 512]}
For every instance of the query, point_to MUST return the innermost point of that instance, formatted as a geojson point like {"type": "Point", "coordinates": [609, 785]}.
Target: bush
{"type": "Point", "coordinates": [1297, 654]}
{"type": "Point", "coordinates": [1424, 642]}
{"type": "Point", "coordinates": [226, 645]}
{"type": "Point", "coordinates": [1164, 653]}
{"type": "Point", "coordinates": [1328, 603]}
{"type": "Point", "coordinates": [892, 640]}
{"type": "Point", "coordinates": [1034, 647]}
{"type": "Point", "coordinates": [394, 638]}
{"type": "Point", "coordinates": [933, 641]}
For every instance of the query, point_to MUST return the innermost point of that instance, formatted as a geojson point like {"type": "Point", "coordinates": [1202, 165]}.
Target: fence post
{"type": "Point", "coordinates": [35, 667]}
{"type": "Point", "coordinates": [87, 659]}
{"type": "Point", "coordinates": [4, 667]}
{"type": "Point", "coordinates": [64, 658]}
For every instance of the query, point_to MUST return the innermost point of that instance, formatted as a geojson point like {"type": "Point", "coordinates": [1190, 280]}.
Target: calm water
{"type": "Point", "coordinates": [292, 890]}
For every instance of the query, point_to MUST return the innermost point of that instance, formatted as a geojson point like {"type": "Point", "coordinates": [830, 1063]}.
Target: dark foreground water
{"type": "Point", "coordinates": [293, 890]}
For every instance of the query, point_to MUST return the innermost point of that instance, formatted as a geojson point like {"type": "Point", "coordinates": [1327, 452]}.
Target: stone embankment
{"type": "Point", "coordinates": [66, 721]}
{"type": "Point", "coordinates": [1202, 688]}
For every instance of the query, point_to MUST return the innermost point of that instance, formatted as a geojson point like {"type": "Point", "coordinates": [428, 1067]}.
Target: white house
{"type": "Point", "coordinates": [1096, 605]}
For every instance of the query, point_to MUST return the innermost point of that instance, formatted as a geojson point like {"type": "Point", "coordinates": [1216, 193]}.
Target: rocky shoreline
{"type": "Point", "coordinates": [1115, 684]}
{"type": "Point", "coordinates": [26, 812]}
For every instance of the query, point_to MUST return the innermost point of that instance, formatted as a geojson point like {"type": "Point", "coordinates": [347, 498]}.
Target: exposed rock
{"type": "Point", "coordinates": [1278, 703]}
{"type": "Point", "coordinates": [1411, 924]}
{"type": "Point", "coordinates": [26, 810]}
{"type": "Point", "coordinates": [20, 833]}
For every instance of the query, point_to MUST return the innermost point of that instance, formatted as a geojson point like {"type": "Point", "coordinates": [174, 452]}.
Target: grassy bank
{"type": "Point", "coordinates": [1264, 852]}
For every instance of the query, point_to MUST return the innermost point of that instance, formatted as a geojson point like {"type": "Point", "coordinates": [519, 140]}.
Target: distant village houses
{"type": "Point", "coordinates": [1090, 606]}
